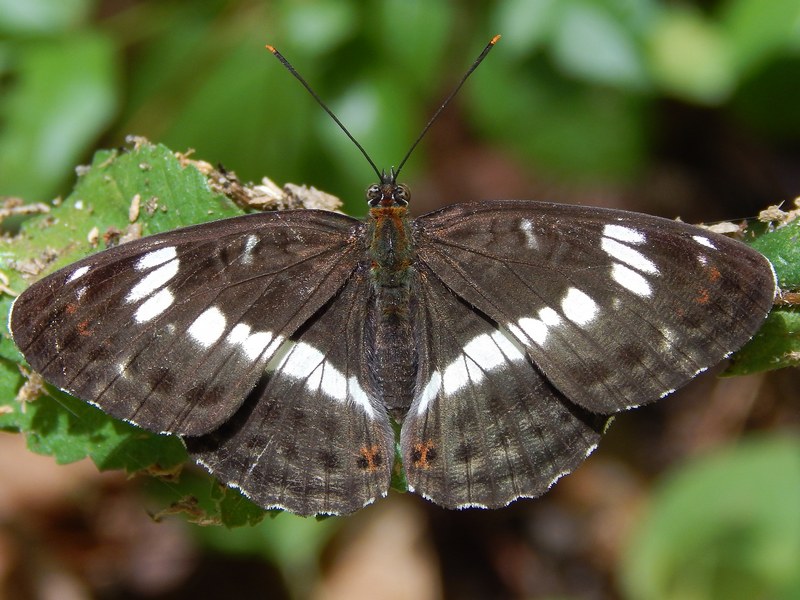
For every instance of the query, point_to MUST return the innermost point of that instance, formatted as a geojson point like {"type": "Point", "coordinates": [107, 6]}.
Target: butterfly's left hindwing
{"type": "Point", "coordinates": [172, 331]}
{"type": "Point", "coordinates": [616, 309]}
{"type": "Point", "coordinates": [310, 438]}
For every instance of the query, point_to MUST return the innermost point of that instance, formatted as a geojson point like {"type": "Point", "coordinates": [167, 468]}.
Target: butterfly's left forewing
{"type": "Point", "coordinates": [172, 331]}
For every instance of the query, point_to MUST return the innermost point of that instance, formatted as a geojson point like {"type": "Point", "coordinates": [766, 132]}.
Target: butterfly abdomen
{"type": "Point", "coordinates": [391, 253]}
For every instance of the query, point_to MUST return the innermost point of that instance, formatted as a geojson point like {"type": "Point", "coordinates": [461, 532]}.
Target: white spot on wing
{"type": "Point", "coordinates": [272, 349]}
{"type": "Point", "coordinates": [537, 330]}
{"type": "Point", "coordinates": [333, 381]}
{"type": "Point", "coordinates": [154, 306]}
{"type": "Point", "coordinates": [256, 343]}
{"type": "Point", "coordinates": [455, 376]}
{"type": "Point", "coordinates": [526, 227]}
{"type": "Point", "coordinates": [482, 353]}
{"type": "Point", "coordinates": [628, 255]}
{"type": "Point", "coordinates": [301, 361]}
{"type": "Point", "coordinates": [208, 327]}
{"type": "Point", "coordinates": [155, 258]}
{"type": "Point", "coordinates": [578, 307]}
{"type": "Point", "coordinates": [631, 280]}
{"type": "Point", "coordinates": [306, 363]}
{"type": "Point", "coordinates": [533, 329]}
{"type": "Point", "coordinates": [252, 343]}
{"type": "Point", "coordinates": [624, 234]}
{"type": "Point", "coordinates": [153, 280]}
{"type": "Point", "coordinates": [549, 317]}
{"type": "Point", "coordinates": [704, 241]}
{"type": "Point", "coordinates": [238, 334]}
{"type": "Point", "coordinates": [359, 396]}
{"type": "Point", "coordinates": [516, 331]}
{"type": "Point", "coordinates": [430, 392]}
{"type": "Point", "coordinates": [508, 346]}
{"type": "Point", "coordinates": [77, 273]}
{"type": "Point", "coordinates": [249, 243]}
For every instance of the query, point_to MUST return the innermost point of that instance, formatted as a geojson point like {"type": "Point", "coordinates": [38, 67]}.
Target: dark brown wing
{"type": "Point", "coordinates": [486, 427]}
{"type": "Point", "coordinates": [310, 438]}
{"type": "Point", "coordinates": [172, 332]}
{"type": "Point", "coordinates": [615, 308]}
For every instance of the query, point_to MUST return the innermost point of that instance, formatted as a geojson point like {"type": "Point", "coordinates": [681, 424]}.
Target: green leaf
{"type": "Point", "coordinates": [725, 526]}
{"type": "Point", "coordinates": [318, 27]}
{"type": "Point", "coordinates": [757, 31]}
{"type": "Point", "coordinates": [11, 411]}
{"type": "Point", "coordinates": [56, 424]}
{"type": "Point", "coordinates": [69, 430]}
{"type": "Point", "coordinates": [575, 131]}
{"type": "Point", "coordinates": [595, 46]}
{"type": "Point", "coordinates": [63, 97]}
{"type": "Point", "coordinates": [775, 346]}
{"type": "Point", "coordinates": [690, 57]}
{"type": "Point", "coordinates": [782, 247]}
{"type": "Point", "coordinates": [42, 16]}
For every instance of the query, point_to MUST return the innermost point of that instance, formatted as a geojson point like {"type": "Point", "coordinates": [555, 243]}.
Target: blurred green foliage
{"type": "Point", "coordinates": [725, 526]}
{"type": "Point", "coordinates": [570, 89]}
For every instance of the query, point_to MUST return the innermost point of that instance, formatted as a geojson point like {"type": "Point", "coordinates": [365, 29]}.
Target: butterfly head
{"type": "Point", "coordinates": [388, 193]}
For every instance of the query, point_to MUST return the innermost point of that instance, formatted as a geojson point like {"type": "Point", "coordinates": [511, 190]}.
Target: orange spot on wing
{"type": "Point", "coordinates": [423, 453]}
{"type": "Point", "coordinates": [713, 274]}
{"type": "Point", "coordinates": [703, 297]}
{"type": "Point", "coordinates": [371, 458]}
{"type": "Point", "coordinates": [83, 328]}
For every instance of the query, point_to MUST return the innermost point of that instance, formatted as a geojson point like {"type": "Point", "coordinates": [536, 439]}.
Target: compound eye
{"type": "Point", "coordinates": [402, 194]}
{"type": "Point", "coordinates": [373, 193]}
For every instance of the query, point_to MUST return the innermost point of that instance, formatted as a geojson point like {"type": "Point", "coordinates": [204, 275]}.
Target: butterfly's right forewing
{"type": "Point", "coordinates": [172, 331]}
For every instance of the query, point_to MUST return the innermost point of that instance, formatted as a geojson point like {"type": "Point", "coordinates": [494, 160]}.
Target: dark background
{"type": "Point", "coordinates": [684, 109]}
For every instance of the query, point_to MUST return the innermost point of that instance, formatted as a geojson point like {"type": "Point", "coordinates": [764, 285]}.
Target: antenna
{"type": "Point", "coordinates": [425, 129]}
{"type": "Point", "coordinates": [447, 100]}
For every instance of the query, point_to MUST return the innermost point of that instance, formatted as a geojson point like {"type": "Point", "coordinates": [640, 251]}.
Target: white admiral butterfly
{"type": "Point", "coordinates": [501, 335]}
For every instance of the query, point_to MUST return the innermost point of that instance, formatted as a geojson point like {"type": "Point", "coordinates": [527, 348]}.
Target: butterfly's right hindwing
{"type": "Point", "coordinates": [172, 332]}
{"type": "Point", "coordinates": [311, 437]}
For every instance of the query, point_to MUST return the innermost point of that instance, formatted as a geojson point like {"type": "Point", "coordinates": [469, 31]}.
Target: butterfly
{"type": "Point", "coordinates": [499, 336]}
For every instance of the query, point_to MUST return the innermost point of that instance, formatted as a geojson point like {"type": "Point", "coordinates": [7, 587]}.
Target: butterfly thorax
{"type": "Point", "coordinates": [389, 233]}
{"type": "Point", "coordinates": [390, 248]}
{"type": "Point", "coordinates": [391, 256]}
